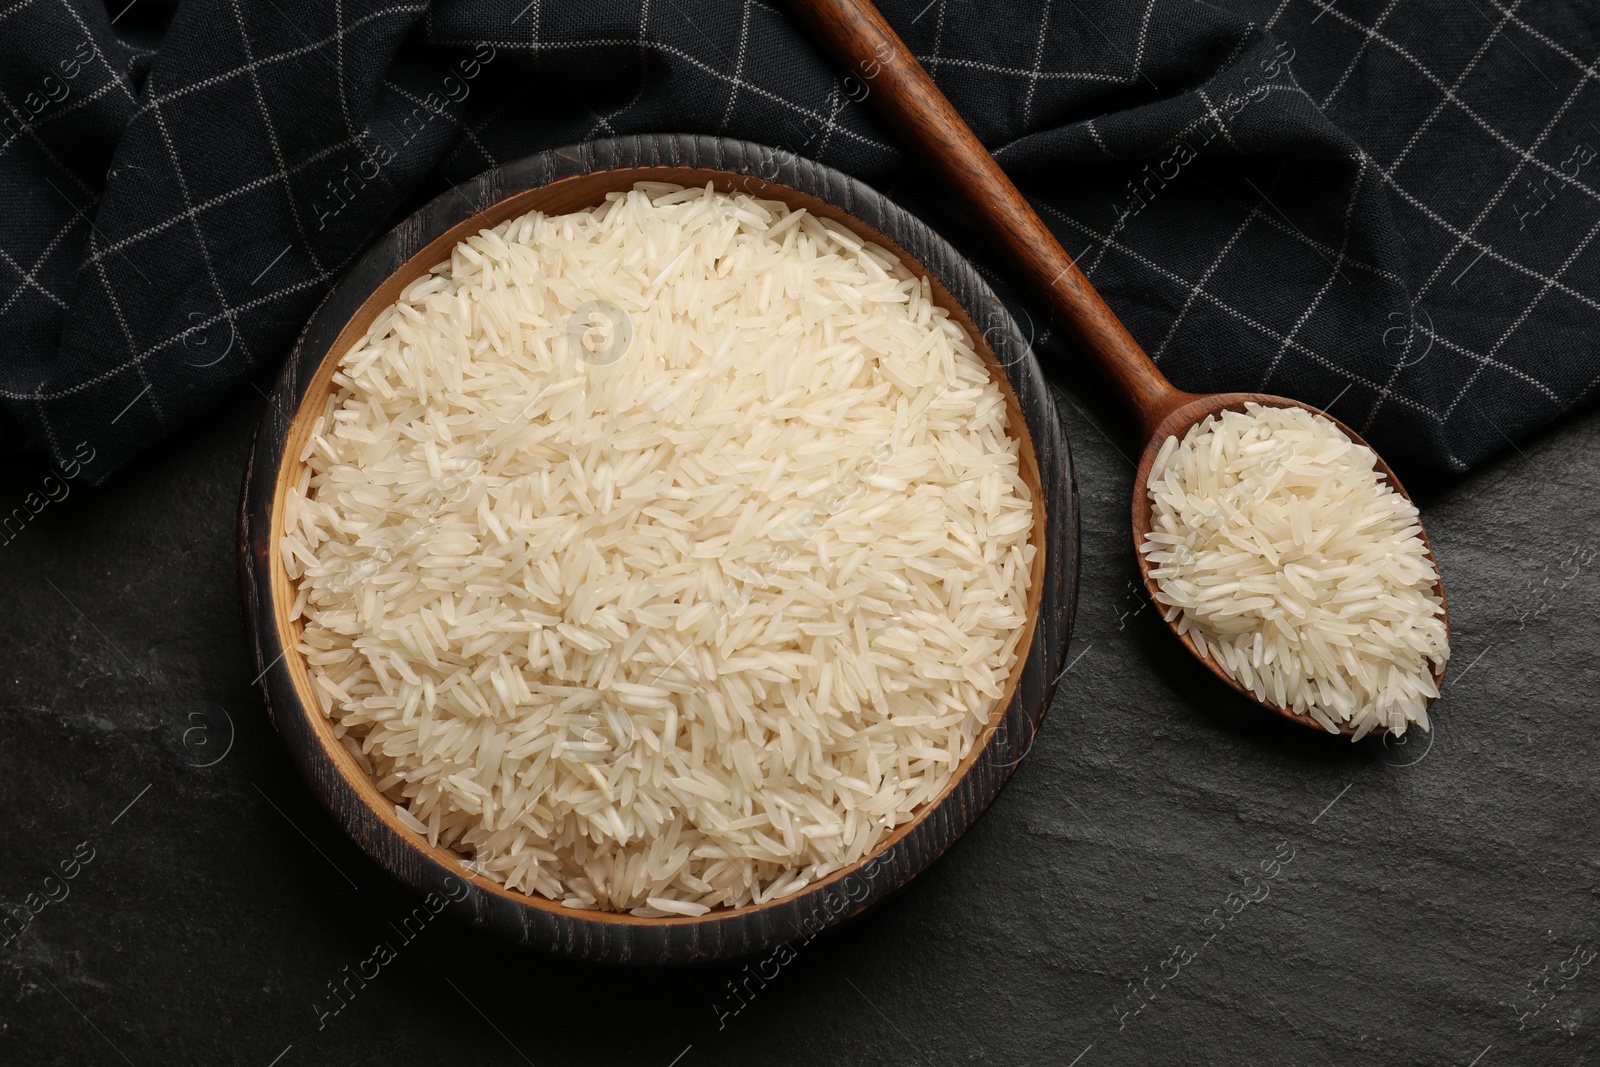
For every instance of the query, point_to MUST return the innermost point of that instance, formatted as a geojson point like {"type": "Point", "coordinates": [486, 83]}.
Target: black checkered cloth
{"type": "Point", "coordinates": [1384, 209]}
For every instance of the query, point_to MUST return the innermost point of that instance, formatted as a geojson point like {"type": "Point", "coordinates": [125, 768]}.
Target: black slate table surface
{"type": "Point", "coordinates": [1170, 878]}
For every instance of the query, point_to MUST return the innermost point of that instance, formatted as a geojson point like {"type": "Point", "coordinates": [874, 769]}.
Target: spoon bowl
{"type": "Point", "coordinates": [1189, 409]}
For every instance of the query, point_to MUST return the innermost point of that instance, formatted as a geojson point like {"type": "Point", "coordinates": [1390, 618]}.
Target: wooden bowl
{"type": "Point", "coordinates": [571, 179]}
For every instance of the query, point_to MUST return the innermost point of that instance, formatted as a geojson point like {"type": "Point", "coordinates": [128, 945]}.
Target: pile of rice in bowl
{"type": "Point", "coordinates": [664, 556]}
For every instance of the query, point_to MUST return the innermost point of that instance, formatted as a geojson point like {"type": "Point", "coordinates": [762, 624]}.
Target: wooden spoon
{"type": "Point", "coordinates": [856, 35]}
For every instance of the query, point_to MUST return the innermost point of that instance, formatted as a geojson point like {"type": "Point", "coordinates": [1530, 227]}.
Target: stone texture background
{"type": "Point", "coordinates": [1438, 892]}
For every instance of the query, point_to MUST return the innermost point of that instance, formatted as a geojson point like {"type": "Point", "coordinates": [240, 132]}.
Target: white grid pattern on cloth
{"type": "Point", "coordinates": [1312, 243]}
{"type": "Point", "coordinates": [1464, 108]}
{"type": "Point", "coordinates": [1361, 51]}
{"type": "Point", "coordinates": [604, 122]}
{"type": "Point", "coordinates": [156, 99]}
{"type": "Point", "coordinates": [456, 120]}
{"type": "Point", "coordinates": [1094, 135]}
{"type": "Point", "coordinates": [222, 198]}
{"type": "Point", "coordinates": [44, 420]}
{"type": "Point", "coordinates": [309, 282]}
{"type": "Point", "coordinates": [1522, 317]}
{"type": "Point", "coordinates": [1444, 100]}
{"type": "Point", "coordinates": [1292, 340]}
{"type": "Point", "coordinates": [1200, 282]}
{"type": "Point", "coordinates": [933, 60]}
{"type": "Point", "coordinates": [1551, 280]}
{"type": "Point", "coordinates": [14, 8]}
{"type": "Point", "coordinates": [32, 135]}
{"type": "Point", "coordinates": [1494, 255]}
{"type": "Point", "coordinates": [122, 322]}
{"type": "Point", "coordinates": [1155, 268]}
{"type": "Point", "coordinates": [1316, 301]}
{"type": "Point", "coordinates": [1135, 72]}
{"type": "Point", "coordinates": [1434, 335]}
{"type": "Point", "coordinates": [1499, 193]}
{"type": "Point", "coordinates": [100, 269]}
{"type": "Point", "coordinates": [139, 357]}
{"type": "Point", "coordinates": [1208, 113]}
{"type": "Point", "coordinates": [200, 239]}
{"type": "Point", "coordinates": [1023, 73]}
{"type": "Point", "coordinates": [1211, 113]}
{"type": "Point", "coordinates": [344, 98]}
{"type": "Point", "coordinates": [1465, 237]}
{"type": "Point", "coordinates": [1144, 36]}
{"type": "Point", "coordinates": [229, 313]}
{"type": "Point", "coordinates": [1038, 62]}
{"type": "Point", "coordinates": [835, 104]}
{"type": "Point", "coordinates": [311, 47]}
{"type": "Point", "coordinates": [533, 18]}
{"type": "Point", "coordinates": [1450, 97]}
{"type": "Point", "coordinates": [738, 64]}
{"type": "Point", "coordinates": [29, 276]}
{"type": "Point", "coordinates": [1532, 31]}
{"type": "Point", "coordinates": [694, 61]}
{"type": "Point", "coordinates": [56, 113]}
{"type": "Point", "coordinates": [420, 101]}
{"type": "Point", "coordinates": [97, 254]}
{"type": "Point", "coordinates": [272, 137]}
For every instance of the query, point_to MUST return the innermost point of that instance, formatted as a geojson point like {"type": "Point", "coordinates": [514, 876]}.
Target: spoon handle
{"type": "Point", "coordinates": [856, 35]}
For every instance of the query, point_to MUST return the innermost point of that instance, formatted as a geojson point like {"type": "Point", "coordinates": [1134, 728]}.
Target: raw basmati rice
{"type": "Point", "coordinates": [1277, 545]}
{"type": "Point", "coordinates": [664, 556]}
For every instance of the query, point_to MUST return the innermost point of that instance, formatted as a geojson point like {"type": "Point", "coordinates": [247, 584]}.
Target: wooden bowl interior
{"type": "Point", "coordinates": [560, 197]}
{"type": "Point", "coordinates": [1175, 424]}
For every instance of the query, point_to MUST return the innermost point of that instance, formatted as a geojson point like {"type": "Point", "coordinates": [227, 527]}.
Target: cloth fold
{"type": "Point", "coordinates": [1384, 210]}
